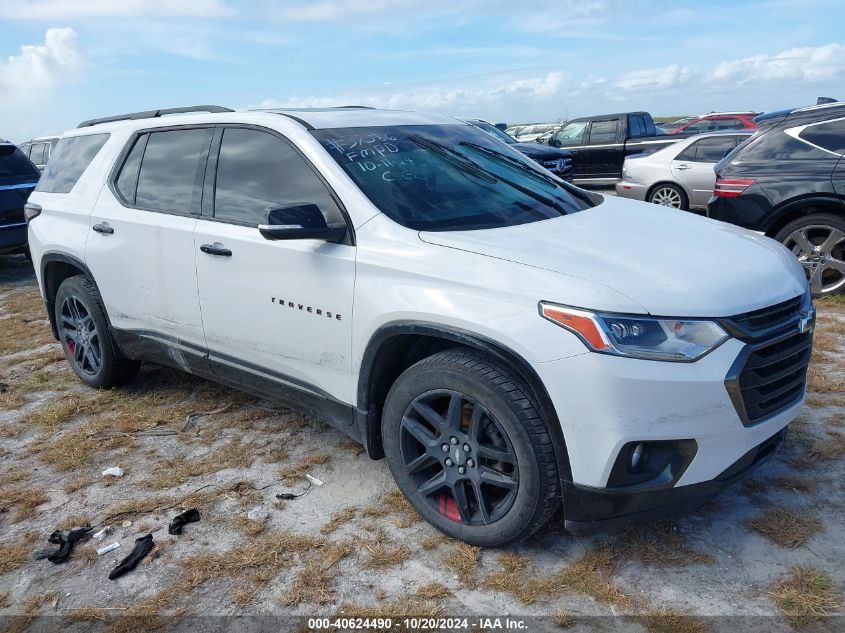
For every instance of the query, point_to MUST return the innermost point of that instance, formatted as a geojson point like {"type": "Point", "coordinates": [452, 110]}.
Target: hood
{"type": "Point", "coordinates": [671, 263]}
{"type": "Point", "coordinates": [536, 151]}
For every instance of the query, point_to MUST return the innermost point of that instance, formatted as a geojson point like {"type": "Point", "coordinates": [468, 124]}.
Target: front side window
{"type": "Point", "coordinates": [69, 161]}
{"type": "Point", "coordinates": [258, 171]}
{"type": "Point", "coordinates": [170, 179]}
{"type": "Point", "coordinates": [448, 177]}
{"type": "Point", "coordinates": [571, 135]}
{"type": "Point", "coordinates": [603, 132]}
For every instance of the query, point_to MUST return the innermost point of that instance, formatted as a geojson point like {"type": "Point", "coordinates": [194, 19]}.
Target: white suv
{"type": "Point", "coordinates": [509, 342]}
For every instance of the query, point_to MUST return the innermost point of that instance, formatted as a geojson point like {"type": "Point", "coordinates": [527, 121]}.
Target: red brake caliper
{"type": "Point", "coordinates": [449, 509]}
{"type": "Point", "coordinates": [71, 347]}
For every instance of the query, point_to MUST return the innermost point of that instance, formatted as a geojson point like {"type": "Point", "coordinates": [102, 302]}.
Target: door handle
{"type": "Point", "coordinates": [682, 167]}
{"type": "Point", "coordinates": [216, 249]}
{"type": "Point", "coordinates": [104, 228]}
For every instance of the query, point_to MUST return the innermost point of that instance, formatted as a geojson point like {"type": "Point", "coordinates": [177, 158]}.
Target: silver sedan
{"type": "Point", "coordinates": [680, 175]}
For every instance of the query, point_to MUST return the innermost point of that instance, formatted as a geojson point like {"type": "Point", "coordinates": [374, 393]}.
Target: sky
{"type": "Point", "coordinates": [63, 61]}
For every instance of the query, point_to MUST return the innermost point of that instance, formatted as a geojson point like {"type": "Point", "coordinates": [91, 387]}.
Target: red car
{"type": "Point", "coordinates": [719, 121]}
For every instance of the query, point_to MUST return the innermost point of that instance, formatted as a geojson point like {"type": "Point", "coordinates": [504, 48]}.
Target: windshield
{"type": "Point", "coordinates": [448, 177]}
{"type": "Point", "coordinates": [14, 163]}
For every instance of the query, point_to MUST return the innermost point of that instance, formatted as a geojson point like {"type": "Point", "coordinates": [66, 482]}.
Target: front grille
{"type": "Point", "coordinates": [770, 374]}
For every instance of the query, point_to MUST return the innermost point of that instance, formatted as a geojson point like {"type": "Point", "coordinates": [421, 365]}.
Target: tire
{"type": "Point", "coordinates": [669, 195]}
{"type": "Point", "coordinates": [493, 416]}
{"type": "Point", "coordinates": [818, 241]}
{"type": "Point", "coordinates": [86, 337]}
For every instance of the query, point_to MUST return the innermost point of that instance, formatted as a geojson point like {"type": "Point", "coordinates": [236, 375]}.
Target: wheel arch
{"type": "Point", "coordinates": [795, 209]}
{"type": "Point", "coordinates": [396, 346]}
{"type": "Point", "coordinates": [55, 268]}
{"type": "Point", "coordinates": [674, 183]}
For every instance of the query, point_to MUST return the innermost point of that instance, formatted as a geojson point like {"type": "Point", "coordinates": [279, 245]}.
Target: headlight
{"type": "Point", "coordinates": [676, 340]}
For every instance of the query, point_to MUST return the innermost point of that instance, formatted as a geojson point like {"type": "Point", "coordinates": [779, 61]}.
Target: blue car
{"type": "Point", "coordinates": [18, 177]}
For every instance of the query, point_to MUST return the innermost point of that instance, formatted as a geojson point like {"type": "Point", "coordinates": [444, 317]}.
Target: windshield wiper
{"type": "Point", "coordinates": [508, 160]}
{"type": "Point", "coordinates": [453, 157]}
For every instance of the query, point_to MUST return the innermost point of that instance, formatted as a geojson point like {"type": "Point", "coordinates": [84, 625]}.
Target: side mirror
{"type": "Point", "coordinates": [553, 141]}
{"type": "Point", "coordinates": [299, 222]}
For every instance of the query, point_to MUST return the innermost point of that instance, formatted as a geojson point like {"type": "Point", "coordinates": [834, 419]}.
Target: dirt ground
{"type": "Point", "coordinates": [770, 549]}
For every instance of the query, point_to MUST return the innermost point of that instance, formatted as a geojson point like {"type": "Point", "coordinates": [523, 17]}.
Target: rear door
{"type": "Point", "coordinates": [693, 167]}
{"type": "Point", "coordinates": [603, 153]}
{"type": "Point", "coordinates": [278, 312]}
{"type": "Point", "coordinates": [141, 242]}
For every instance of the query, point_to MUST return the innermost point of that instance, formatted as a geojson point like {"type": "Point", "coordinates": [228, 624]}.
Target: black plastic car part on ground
{"type": "Point", "coordinates": [788, 181]}
{"type": "Point", "coordinates": [18, 177]}
{"type": "Point", "coordinates": [558, 161]}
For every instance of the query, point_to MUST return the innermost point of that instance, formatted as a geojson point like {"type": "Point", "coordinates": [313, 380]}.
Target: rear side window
{"type": "Point", "coordinates": [69, 161]}
{"type": "Point", "coordinates": [637, 126]}
{"type": "Point", "coordinates": [172, 168]}
{"type": "Point", "coordinates": [127, 180]}
{"type": "Point", "coordinates": [257, 171]}
{"type": "Point", "coordinates": [728, 124]}
{"type": "Point", "coordinates": [714, 148]}
{"type": "Point", "coordinates": [777, 145]}
{"type": "Point", "coordinates": [38, 155]}
{"type": "Point", "coordinates": [829, 135]}
{"type": "Point", "coordinates": [603, 132]}
{"type": "Point", "coordinates": [14, 163]}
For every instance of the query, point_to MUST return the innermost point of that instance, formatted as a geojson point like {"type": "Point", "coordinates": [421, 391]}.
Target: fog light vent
{"type": "Point", "coordinates": [649, 464]}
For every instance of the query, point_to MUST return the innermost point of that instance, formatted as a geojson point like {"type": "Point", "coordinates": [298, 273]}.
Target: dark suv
{"type": "Point", "coordinates": [788, 181]}
{"type": "Point", "coordinates": [18, 177]}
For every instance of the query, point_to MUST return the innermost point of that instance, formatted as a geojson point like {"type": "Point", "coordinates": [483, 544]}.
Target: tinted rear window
{"type": "Point", "coordinates": [69, 161]}
{"type": "Point", "coordinates": [172, 169]}
{"type": "Point", "coordinates": [830, 135]}
{"type": "Point", "coordinates": [14, 163]}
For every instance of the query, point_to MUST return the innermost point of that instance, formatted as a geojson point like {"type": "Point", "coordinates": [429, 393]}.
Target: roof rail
{"type": "Point", "coordinates": [151, 114]}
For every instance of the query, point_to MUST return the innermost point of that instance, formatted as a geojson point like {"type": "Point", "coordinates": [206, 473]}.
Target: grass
{"type": "Point", "coordinates": [591, 576]}
{"type": "Point", "coordinates": [659, 544]}
{"type": "Point", "coordinates": [354, 447]}
{"type": "Point", "coordinates": [338, 519]}
{"type": "Point", "coordinates": [297, 471]}
{"type": "Point", "coordinates": [805, 595]}
{"type": "Point", "coordinates": [394, 502]}
{"type": "Point", "coordinates": [665, 620]}
{"type": "Point", "coordinates": [314, 583]}
{"type": "Point", "coordinates": [795, 484]}
{"type": "Point", "coordinates": [250, 527]}
{"type": "Point", "coordinates": [72, 521]}
{"type": "Point", "coordinates": [432, 540]}
{"type": "Point", "coordinates": [463, 560]}
{"type": "Point", "coordinates": [23, 499]}
{"type": "Point", "coordinates": [381, 554]}
{"type": "Point", "coordinates": [785, 527]}
{"type": "Point", "coordinates": [14, 556]}
{"type": "Point", "coordinates": [4, 599]}
{"type": "Point", "coordinates": [274, 551]}
{"type": "Point", "coordinates": [172, 472]}
{"type": "Point", "coordinates": [433, 591]}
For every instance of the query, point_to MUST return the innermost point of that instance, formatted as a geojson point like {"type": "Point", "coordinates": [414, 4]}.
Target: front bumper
{"type": "Point", "coordinates": [632, 190]}
{"type": "Point", "coordinates": [13, 238]}
{"type": "Point", "coordinates": [588, 510]}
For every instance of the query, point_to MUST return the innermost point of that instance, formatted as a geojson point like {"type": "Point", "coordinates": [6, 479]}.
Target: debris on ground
{"type": "Point", "coordinates": [66, 542]}
{"type": "Point", "coordinates": [143, 545]}
{"type": "Point", "coordinates": [114, 471]}
{"type": "Point", "coordinates": [99, 536]}
{"type": "Point", "coordinates": [258, 514]}
{"type": "Point", "coordinates": [314, 480]}
{"type": "Point", "coordinates": [180, 520]}
{"type": "Point", "coordinates": [105, 549]}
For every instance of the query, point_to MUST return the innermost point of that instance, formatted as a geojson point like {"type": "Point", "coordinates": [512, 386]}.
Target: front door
{"type": "Point", "coordinates": [140, 248]}
{"type": "Point", "coordinates": [275, 313]}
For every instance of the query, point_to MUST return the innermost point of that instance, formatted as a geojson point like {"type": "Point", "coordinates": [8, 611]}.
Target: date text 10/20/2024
{"type": "Point", "coordinates": [418, 624]}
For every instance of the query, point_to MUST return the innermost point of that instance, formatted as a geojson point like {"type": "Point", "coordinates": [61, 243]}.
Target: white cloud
{"type": "Point", "coordinates": [797, 64]}
{"type": "Point", "coordinates": [39, 68]}
{"type": "Point", "coordinates": [68, 9]}
{"type": "Point", "coordinates": [653, 79]}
